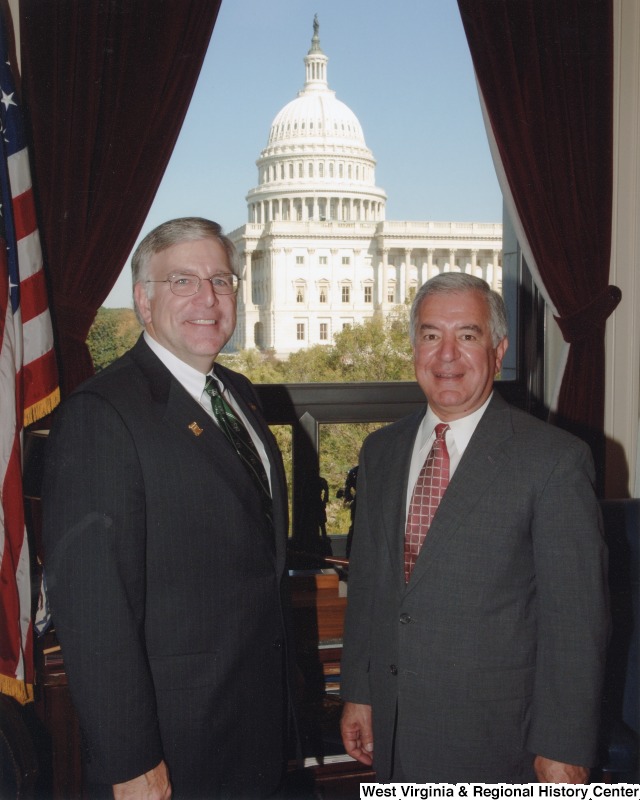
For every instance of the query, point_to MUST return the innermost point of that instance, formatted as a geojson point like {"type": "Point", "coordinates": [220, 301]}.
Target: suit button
{"type": "Point", "coordinates": [405, 618]}
{"type": "Point", "coordinates": [277, 644]}
{"type": "Point", "coordinates": [393, 669]}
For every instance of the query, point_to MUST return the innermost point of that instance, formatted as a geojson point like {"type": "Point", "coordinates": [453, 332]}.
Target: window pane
{"type": "Point", "coordinates": [339, 450]}
{"type": "Point", "coordinates": [284, 438]}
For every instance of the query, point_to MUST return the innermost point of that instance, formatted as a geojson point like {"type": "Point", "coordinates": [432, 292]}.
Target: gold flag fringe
{"type": "Point", "coordinates": [41, 408]}
{"type": "Point", "coordinates": [19, 690]}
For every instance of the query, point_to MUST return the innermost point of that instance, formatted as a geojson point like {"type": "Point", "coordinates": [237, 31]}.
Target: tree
{"type": "Point", "coordinates": [375, 350]}
{"type": "Point", "coordinates": [114, 331]}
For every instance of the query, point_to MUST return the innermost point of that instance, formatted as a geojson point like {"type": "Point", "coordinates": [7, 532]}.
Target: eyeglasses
{"type": "Point", "coordinates": [188, 285]}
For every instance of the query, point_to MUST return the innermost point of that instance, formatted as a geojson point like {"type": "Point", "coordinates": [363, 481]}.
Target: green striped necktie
{"type": "Point", "coordinates": [237, 433]}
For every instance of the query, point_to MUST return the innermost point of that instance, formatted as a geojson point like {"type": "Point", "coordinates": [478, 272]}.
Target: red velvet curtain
{"type": "Point", "coordinates": [106, 86]}
{"type": "Point", "coordinates": [545, 72]}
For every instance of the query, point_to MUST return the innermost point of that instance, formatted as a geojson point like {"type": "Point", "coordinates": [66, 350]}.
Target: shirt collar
{"type": "Point", "coordinates": [191, 379]}
{"type": "Point", "coordinates": [461, 429]}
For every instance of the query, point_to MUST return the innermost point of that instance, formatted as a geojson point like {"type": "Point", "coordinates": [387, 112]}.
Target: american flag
{"type": "Point", "coordinates": [28, 379]}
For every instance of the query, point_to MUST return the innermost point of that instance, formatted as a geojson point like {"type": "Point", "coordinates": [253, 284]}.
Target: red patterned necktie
{"type": "Point", "coordinates": [427, 493]}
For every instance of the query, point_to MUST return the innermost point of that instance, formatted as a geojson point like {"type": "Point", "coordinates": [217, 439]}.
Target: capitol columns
{"type": "Point", "coordinates": [452, 261]}
{"type": "Point", "coordinates": [380, 276]}
{"type": "Point", "coordinates": [426, 277]}
{"type": "Point", "coordinates": [405, 274]}
{"type": "Point", "coordinates": [247, 321]}
{"type": "Point", "coordinates": [495, 280]}
{"type": "Point", "coordinates": [246, 294]}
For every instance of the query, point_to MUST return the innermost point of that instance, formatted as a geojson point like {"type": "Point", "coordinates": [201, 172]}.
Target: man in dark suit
{"type": "Point", "coordinates": [483, 661]}
{"type": "Point", "coordinates": [165, 548]}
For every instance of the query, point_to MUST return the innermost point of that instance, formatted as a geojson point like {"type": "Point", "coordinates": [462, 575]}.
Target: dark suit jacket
{"type": "Point", "coordinates": [166, 583]}
{"type": "Point", "coordinates": [495, 649]}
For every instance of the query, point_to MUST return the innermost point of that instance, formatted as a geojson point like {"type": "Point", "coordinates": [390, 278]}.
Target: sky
{"type": "Point", "coordinates": [406, 75]}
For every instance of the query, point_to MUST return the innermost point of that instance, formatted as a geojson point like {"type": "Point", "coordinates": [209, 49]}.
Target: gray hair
{"type": "Point", "coordinates": [175, 231]}
{"type": "Point", "coordinates": [452, 282]}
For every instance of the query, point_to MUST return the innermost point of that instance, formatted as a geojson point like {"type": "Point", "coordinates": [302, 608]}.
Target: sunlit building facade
{"type": "Point", "coordinates": [317, 253]}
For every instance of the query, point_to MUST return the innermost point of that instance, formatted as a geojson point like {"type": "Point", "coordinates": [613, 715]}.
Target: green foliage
{"type": "Point", "coordinates": [339, 450]}
{"type": "Point", "coordinates": [377, 350]}
{"type": "Point", "coordinates": [258, 367]}
{"type": "Point", "coordinates": [114, 331]}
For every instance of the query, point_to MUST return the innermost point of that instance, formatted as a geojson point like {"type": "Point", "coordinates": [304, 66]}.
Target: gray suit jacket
{"type": "Point", "coordinates": [167, 584]}
{"type": "Point", "coordinates": [495, 649]}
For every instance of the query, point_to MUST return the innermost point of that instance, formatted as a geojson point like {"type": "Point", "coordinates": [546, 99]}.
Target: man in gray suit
{"type": "Point", "coordinates": [165, 545]}
{"type": "Point", "coordinates": [485, 662]}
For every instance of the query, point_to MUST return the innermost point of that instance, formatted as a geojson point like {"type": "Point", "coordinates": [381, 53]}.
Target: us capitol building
{"type": "Point", "coordinates": [317, 253]}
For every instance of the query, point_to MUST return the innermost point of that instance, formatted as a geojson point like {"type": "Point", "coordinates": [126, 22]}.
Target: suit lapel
{"type": "Point", "coordinates": [397, 461]}
{"type": "Point", "coordinates": [479, 468]}
{"type": "Point", "coordinates": [196, 428]}
{"type": "Point", "coordinates": [247, 402]}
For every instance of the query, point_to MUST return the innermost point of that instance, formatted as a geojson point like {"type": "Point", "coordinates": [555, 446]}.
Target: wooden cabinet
{"type": "Point", "coordinates": [319, 603]}
{"type": "Point", "coordinates": [54, 707]}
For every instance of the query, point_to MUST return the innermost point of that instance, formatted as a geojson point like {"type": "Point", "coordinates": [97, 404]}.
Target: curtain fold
{"type": "Point", "coordinates": [545, 74]}
{"type": "Point", "coordinates": [106, 87]}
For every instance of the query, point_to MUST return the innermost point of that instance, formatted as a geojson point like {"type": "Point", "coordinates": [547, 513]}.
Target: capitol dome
{"type": "Point", "coordinates": [317, 115]}
{"type": "Point", "coordinates": [316, 165]}
{"type": "Point", "coordinates": [316, 255]}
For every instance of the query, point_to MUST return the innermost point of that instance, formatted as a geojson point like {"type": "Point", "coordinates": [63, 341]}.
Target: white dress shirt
{"type": "Point", "coordinates": [457, 438]}
{"type": "Point", "coordinates": [194, 382]}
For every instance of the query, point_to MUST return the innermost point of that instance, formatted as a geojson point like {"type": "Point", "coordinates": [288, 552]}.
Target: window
{"type": "Point", "coordinates": [322, 298]}
{"type": "Point", "coordinates": [331, 169]}
{"type": "Point", "coordinates": [258, 334]}
{"type": "Point", "coordinates": [391, 293]}
{"type": "Point", "coordinates": [324, 331]}
{"type": "Point", "coordinates": [299, 259]}
{"type": "Point", "coordinates": [300, 331]}
{"type": "Point", "coordinates": [291, 170]}
{"type": "Point", "coordinates": [301, 170]}
{"type": "Point", "coordinates": [346, 260]}
{"type": "Point", "coordinates": [310, 169]}
{"type": "Point", "coordinates": [368, 294]}
{"type": "Point", "coordinates": [346, 294]}
{"type": "Point", "coordinates": [323, 261]}
{"type": "Point", "coordinates": [321, 170]}
{"type": "Point", "coordinates": [299, 294]}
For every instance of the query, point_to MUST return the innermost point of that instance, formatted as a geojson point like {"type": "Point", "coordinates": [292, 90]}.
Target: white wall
{"type": "Point", "coordinates": [622, 405]}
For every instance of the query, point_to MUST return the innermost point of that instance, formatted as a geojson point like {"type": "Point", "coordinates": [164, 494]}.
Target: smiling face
{"type": "Point", "coordinates": [194, 328]}
{"type": "Point", "coordinates": [454, 357]}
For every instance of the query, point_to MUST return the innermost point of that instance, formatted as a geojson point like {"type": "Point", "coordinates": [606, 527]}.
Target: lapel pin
{"type": "Point", "coordinates": [195, 429]}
